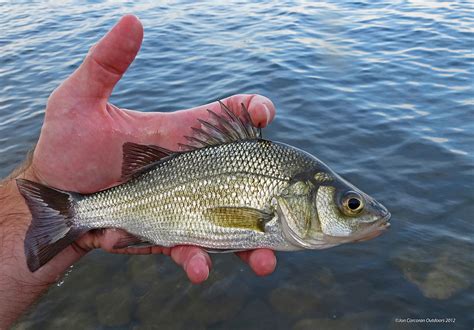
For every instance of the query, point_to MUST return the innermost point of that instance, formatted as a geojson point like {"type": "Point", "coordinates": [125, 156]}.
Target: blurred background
{"type": "Point", "coordinates": [382, 91]}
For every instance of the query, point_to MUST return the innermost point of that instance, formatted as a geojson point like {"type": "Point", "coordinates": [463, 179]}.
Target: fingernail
{"type": "Point", "coordinates": [200, 267]}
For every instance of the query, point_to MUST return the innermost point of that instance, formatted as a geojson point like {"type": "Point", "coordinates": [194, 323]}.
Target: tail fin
{"type": "Point", "coordinates": [52, 226]}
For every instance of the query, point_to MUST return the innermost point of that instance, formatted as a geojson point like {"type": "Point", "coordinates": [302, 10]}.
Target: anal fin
{"type": "Point", "coordinates": [223, 250]}
{"type": "Point", "coordinates": [131, 241]}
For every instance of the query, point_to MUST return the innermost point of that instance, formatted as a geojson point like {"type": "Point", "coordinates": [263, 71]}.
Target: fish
{"type": "Point", "coordinates": [225, 189]}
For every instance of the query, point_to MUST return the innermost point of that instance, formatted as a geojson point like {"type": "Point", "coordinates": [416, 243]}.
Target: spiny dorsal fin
{"type": "Point", "coordinates": [138, 157]}
{"type": "Point", "coordinates": [222, 128]}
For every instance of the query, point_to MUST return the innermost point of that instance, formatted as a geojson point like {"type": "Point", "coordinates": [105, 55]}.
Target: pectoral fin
{"type": "Point", "coordinates": [239, 217]}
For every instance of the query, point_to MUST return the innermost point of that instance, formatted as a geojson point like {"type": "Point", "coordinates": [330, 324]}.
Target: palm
{"type": "Point", "coordinates": [76, 153]}
{"type": "Point", "coordinates": [80, 147]}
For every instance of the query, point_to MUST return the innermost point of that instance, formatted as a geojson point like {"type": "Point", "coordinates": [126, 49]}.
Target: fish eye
{"type": "Point", "coordinates": [352, 203]}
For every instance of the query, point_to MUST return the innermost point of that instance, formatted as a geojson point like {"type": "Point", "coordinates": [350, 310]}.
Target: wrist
{"type": "Point", "coordinates": [14, 276]}
{"type": "Point", "coordinates": [15, 218]}
{"type": "Point", "coordinates": [14, 215]}
{"type": "Point", "coordinates": [18, 286]}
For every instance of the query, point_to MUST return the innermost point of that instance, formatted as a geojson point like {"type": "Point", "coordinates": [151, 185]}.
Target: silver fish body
{"type": "Point", "coordinates": [170, 204]}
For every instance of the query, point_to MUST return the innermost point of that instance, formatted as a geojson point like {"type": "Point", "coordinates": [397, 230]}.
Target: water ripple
{"type": "Point", "coordinates": [381, 91]}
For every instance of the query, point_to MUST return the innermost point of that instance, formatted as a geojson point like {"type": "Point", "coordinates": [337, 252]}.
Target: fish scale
{"type": "Point", "coordinates": [167, 204]}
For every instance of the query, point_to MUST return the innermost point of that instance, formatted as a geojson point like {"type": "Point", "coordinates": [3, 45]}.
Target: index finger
{"type": "Point", "coordinates": [260, 108]}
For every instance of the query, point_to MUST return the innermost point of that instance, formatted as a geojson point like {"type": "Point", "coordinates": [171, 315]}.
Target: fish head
{"type": "Point", "coordinates": [320, 209]}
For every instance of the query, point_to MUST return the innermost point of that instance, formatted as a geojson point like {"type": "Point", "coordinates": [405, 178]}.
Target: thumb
{"type": "Point", "coordinates": [107, 61]}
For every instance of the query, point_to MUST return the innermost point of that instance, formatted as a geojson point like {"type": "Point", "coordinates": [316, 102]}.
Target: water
{"type": "Point", "coordinates": [381, 91]}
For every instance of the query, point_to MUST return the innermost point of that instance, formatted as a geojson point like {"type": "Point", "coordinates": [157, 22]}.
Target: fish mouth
{"type": "Point", "coordinates": [375, 230]}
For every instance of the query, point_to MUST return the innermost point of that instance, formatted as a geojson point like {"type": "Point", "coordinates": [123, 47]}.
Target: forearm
{"type": "Point", "coordinates": [19, 288]}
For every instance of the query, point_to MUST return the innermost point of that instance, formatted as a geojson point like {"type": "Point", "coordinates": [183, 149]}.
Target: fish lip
{"type": "Point", "coordinates": [381, 224]}
{"type": "Point", "coordinates": [375, 230]}
{"type": "Point", "coordinates": [385, 220]}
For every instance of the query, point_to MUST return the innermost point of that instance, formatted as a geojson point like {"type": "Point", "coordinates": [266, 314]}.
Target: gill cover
{"type": "Point", "coordinates": [299, 217]}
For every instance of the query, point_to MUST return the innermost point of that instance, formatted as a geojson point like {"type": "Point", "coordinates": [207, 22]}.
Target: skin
{"type": "Point", "coordinates": [80, 149]}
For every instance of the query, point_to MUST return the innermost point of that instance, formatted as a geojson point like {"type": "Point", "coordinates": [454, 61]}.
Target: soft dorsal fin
{"type": "Point", "coordinates": [222, 128]}
{"type": "Point", "coordinates": [138, 157]}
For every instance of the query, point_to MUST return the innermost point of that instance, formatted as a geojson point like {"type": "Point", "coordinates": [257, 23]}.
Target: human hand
{"type": "Point", "coordinates": [80, 146]}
